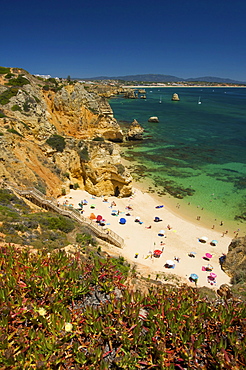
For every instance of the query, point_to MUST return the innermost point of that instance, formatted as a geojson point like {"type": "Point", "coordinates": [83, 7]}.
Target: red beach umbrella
{"type": "Point", "coordinates": [157, 252]}
{"type": "Point", "coordinates": [99, 218]}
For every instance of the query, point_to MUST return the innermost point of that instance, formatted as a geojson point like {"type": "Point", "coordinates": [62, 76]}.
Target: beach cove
{"type": "Point", "coordinates": [195, 155]}
{"type": "Point", "coordinates": [178, 240]}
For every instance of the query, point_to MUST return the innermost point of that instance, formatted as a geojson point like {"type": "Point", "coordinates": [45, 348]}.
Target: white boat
{"type": "Point", "coordinates": [199, 100]}
{"type": "Point", "coordinates": [160, 100]}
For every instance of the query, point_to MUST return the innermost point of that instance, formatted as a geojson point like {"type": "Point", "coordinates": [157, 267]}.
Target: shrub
{"type": "Point", "coordinates": [2, 114]}
{"type": "Point", "coordinates": [7, 94]}
{"type": "Point", "coordinates": [13, 131]}
{"type": "Point", "coordinates": [85, 240]}
{"type": "Point", "coordinates": [76, 186]}
{"type": "Point", "coordinates": [239, 277]}
{"type": "Point", "coordinates": [84, 155]}
{"type": "Point", "coordinates": [8, 198]}
{"type": "Point", "coordinates": [55, 222]}
{"type": "Point", "coordinates": [7, 214]}
{"type": "Point", "coordinates": [53, 80]}
{"type": "Point", "coordinates": [15, 108]}
{"type": "Point", "coordinates": [19, 81]}
{"type": "Point", "coordinates": [56, 142]}
{"type": "Point", "coordinates": [4, 70]}
{"type": "Point", "coordinates": [98, 138]}
{"type": "Point", "coordinates": [9, 75]}
{"type": "Point", "coordinates": [120, 168]}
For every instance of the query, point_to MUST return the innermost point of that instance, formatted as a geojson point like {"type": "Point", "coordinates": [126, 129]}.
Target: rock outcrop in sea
{"type": "Point", "coordinates": [175, 97]}
{"type": "Point", "coordinates": [153, 119]}
{"type": "Point", "coordinates": [135, 131]}
{"type": "Point", "coordinates": [56, 135]}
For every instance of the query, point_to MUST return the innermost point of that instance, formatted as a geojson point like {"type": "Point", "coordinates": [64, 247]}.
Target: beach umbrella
{"type": "Point", "coordinates": [157, 252]}
{"type": "Point", "coordinates": [122, 221]}
{"type": "Point", "coordinates": [157, 219]}
{"type": "Point", "coordinates": [161, 233]}
{"type": "Point", "coordinates": [138, 218]}
{"type": "Point", "coordinates": [193, 277]}
{"type": "Point", "coordinates": [208, 255]}
{"type": "Point", "coordinates": [214, 242]}
{"type": "Point", "coordinates": [99, 218]}
{"type": "Point", "coordinates": [92, 216]}
{"type": "Point", "coordinates": [192, 254]}
{"type": "Point", "coordinates": [170, 263]}
{"type": "Point", "coordinates": [93, 206]}
{"type": "Point", "coordinates": [213, 275]}
{"type": "Point", "coordinates": [203, 239]}
{"type": "Point", "coordinates": [85, 202]}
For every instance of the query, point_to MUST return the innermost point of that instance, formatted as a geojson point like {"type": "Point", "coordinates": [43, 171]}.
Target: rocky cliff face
{"type": "Point", "coordinates": [80, 125]}
{"type": "Point", "coordinates": [235, 262]}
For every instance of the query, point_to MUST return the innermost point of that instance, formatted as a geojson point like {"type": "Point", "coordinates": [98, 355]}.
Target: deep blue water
{"type": "Point", "coordinates": [196, 152]}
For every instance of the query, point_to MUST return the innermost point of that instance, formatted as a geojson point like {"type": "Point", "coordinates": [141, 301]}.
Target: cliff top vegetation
{"type": "Point", "coordinates": [75, 310]}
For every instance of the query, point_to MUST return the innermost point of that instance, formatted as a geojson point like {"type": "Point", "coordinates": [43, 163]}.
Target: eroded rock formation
{"type": "Point", "coordinates": [81, 126]}
{"type": "Point", "coordinates": [135, 131]}
{"type": "Point", "coordinates": [235, 262]}
{"type": "Point", "coordinates": [175, 97]}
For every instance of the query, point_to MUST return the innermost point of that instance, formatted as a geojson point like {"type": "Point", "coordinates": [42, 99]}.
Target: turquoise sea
{"type": "Point", "coordinates": [196, 153]}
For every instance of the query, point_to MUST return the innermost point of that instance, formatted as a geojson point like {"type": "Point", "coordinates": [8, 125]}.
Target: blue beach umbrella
{"type": "Point", "coordinates": [194, 277]}
{"type": "Point", "coordinates": [214, 242]}
{"type": "Point", "coordinates": [122, 221]}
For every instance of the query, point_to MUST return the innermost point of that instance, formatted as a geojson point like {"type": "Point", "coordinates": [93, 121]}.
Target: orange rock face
{"type": "Point", "coordinates": [40, 110]}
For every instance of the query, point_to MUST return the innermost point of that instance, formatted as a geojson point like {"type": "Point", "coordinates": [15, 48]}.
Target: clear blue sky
{"type": "Point", "coordinates": [88, 38]}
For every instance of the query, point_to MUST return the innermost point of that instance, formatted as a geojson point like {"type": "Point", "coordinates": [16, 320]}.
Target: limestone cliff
{"type": "Point", "coordinates": [54, 135]}
{"type": "Point", "coordinates": [235, 261]}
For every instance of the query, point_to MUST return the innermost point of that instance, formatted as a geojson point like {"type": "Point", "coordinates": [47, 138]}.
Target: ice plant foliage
{"type": "Point", "coordinates": [62, 312]}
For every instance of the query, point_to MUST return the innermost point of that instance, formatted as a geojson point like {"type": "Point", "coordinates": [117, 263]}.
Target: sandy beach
{"type": "Point", "coordinates": [176, 238]}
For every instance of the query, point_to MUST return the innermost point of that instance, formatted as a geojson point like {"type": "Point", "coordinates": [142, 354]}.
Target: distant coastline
{"type": "Point", "coordinates": [178, 86]}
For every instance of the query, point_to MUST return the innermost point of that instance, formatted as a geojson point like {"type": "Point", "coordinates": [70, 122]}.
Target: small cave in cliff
{"type": "Point", "coordinates": [117, 191]}
{"type": "Point", "coordinates": [71, 186]}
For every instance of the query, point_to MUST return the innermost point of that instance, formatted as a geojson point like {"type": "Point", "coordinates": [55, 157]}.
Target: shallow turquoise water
{"type": "Point", "coordinates": [196, 152]}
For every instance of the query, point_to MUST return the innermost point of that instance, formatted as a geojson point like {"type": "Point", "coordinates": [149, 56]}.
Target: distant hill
{"type": "Point", "coordinates": [215, 79]}
{"type": "Point", "coordinates": [163, 78]}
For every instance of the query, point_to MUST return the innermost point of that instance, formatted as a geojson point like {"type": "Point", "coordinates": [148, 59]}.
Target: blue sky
{"type": "Point", "coordinates": [87, 38]}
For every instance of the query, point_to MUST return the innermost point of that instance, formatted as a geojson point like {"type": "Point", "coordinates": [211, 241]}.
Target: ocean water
{"type": "Point", "coordinates": [196, 154]}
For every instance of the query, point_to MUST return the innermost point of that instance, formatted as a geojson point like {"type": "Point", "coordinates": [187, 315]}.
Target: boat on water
{"type": "Point", "coordinates": [199, 100]}
{"type": "Point", "coordinates": [160, 100]}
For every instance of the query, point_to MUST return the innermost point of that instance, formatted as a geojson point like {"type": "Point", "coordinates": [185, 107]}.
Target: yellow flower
{"type": "Point", "coordinates": [42, 311]}
{"type": "Point", "coordinates": [68, 326]}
